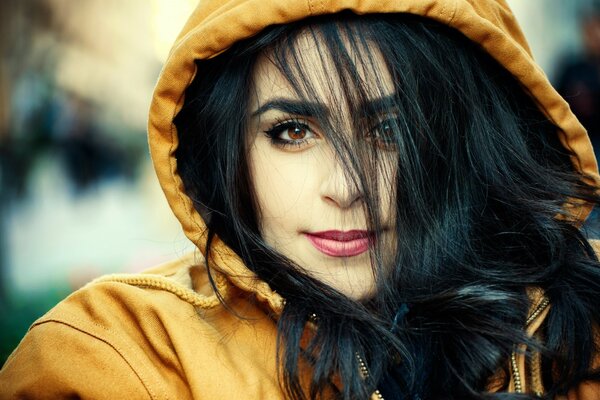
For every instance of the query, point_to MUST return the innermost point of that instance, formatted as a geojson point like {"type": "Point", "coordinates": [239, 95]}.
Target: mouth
{"type": "Point", "coordinates": [341, 243]}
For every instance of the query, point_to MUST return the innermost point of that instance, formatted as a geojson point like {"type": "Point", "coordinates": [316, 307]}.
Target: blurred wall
{"type": "Point", "coordinates": [78, 196]}
{"type": "Point", "coordinates": [552, 28]}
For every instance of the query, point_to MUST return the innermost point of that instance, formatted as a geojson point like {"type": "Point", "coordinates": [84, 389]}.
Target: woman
{"type": "Point", "coordinates": [388, 197]}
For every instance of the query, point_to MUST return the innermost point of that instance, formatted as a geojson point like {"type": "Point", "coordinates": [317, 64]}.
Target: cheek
{"type": "Point", "coordinates": [387, 178]}
{"type": "Point", "coordinates": [284, 190]}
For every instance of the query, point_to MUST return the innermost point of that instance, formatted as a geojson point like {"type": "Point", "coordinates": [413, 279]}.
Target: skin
{"type": "Point", "coordinates": [301, 187]}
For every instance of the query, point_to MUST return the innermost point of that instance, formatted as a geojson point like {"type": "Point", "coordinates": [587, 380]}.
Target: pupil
{"type": "Point", "coordinates": [297, 133]}
{"type": "Point", "coordinates": [386, 133]}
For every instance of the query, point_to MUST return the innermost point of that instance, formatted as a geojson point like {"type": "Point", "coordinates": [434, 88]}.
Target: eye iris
{"type": "Point", "coordinates": [297, 133]}
{"type": "Point", "coordinates": [386, 132]}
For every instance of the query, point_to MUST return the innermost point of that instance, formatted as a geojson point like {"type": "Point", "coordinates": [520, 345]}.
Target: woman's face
{"type": "Point", "coordinates": [311, 208]}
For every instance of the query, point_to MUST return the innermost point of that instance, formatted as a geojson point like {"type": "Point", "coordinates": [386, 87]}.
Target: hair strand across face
{"type": "Point", "coordinates": [440, 140]}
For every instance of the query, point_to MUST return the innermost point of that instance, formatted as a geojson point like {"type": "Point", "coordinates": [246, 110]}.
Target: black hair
{"type": "Point", "coordinates": [481, 195]}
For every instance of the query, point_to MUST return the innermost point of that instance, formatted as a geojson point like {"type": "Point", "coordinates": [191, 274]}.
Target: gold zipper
{"type": "Point", "coordinates": [313, 318]}
{"type": "Point", "coordinates": [513, 357]}
{"type": "Point", "coordinates": [366, 375]}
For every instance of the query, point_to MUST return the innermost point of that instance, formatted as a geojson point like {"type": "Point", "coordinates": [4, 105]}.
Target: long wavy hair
{"type": "Point", "coordinates": [480, 192]}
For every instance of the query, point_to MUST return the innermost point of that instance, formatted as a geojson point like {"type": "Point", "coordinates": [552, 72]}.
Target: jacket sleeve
{"type": "Point", "coordinates": [586, 391]}
{"type": "Point", "coordinates": [59, 361]}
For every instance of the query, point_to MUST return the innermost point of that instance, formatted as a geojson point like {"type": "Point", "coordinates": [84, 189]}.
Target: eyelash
{"type": "Point", "coordinates": [392, 122]}
{"type": "Point", "coordinates": [281, 126]}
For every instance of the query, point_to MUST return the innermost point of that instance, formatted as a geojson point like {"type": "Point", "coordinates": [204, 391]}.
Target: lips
{"type": "Point", "coordinates": [341, 243]}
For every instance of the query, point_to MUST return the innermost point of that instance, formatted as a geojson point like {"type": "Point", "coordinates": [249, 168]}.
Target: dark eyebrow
{"type": "Point", "coordinates": [313, 109]}
{"type": "Point", "coordinates": [379, 105]}
{"type": "Point", "coordinates": [297, 107]}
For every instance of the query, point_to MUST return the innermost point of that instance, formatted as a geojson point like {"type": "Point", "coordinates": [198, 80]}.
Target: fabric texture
{"type": "Point", "coordinates": [165, 334]}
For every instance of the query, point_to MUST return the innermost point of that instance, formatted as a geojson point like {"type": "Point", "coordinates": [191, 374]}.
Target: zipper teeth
{"type": "Point", "coordinates": [538, 310]}
{"type": "Point", "coordinates": [516, 373]}
{"type": "Point", "coordinates": [513, 357]}
{"type": "Point", "coordinates": [361, 363]}
{"type": "Point", "coordinates": [366, 375]}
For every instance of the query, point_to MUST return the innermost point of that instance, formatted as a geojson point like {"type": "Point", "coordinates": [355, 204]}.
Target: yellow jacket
{"type": "Point", "coordinates": [164, 334]}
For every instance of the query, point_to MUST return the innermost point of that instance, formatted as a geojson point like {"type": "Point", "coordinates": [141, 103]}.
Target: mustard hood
{"type": "Point", "coordinates": [216, 24]}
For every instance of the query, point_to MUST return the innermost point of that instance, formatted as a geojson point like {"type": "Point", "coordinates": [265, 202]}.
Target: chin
{"type": "Point", "coordinates": [356, 291]}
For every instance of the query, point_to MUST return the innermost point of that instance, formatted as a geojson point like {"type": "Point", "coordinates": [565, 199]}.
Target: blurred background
{"type": "Point", "coordinates": [78, 197]}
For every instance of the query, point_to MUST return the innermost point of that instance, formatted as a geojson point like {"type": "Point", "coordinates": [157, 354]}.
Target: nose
{"type": "Point", "coordinates": [339, 188]}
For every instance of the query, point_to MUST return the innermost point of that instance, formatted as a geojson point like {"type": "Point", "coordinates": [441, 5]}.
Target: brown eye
{"type": "Point", "coordinates": [297, 132]}
{"type": "Point", "coordinates": [386, 131]}
{"type": "Point", "coordinates": [383, 133]}
{"type": "Point", "coordinates": [291, 132]}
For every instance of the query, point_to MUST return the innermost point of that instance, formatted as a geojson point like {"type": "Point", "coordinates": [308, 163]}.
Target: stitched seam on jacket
{"type": "Point", "coordinates": [453, 13]}
{"type": "Point", "coordinates": [159, 282]}
{"type": "Point", "coordinates": [116, 348]}
{"type": "Point", "coordinates": [310, 9]}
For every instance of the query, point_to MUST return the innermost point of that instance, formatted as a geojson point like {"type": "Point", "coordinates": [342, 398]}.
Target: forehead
{"type": "Point", "coordinates": [327, 70]}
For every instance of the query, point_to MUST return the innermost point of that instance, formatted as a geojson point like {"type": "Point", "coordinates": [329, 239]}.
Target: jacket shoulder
{"type": "Point", "coordinates": [149, 335]}
{"type": "Point", "coordinates": [60, 361]}
{"type": "Point", "coordinates": [109, 339]}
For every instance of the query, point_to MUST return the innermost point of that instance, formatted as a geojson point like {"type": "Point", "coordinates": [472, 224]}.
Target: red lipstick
{"type": "Point", "coordinates": [340, 243]}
